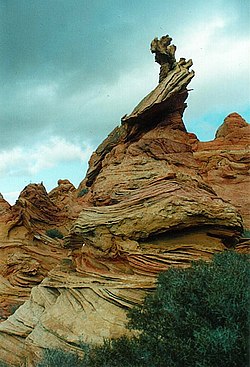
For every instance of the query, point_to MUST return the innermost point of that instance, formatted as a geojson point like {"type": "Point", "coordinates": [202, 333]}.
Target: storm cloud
{"type": "Point", "coordinates": [70, 69]}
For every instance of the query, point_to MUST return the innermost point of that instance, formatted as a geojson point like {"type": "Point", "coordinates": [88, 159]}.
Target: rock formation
{"type": "Point", "coordinates": [224, 163]}
{"type": "Point", "coordinates": [153, 197]}
{"type": "Point", "coordinates": [164, 55]}
{"type": "Point", "coordinates": [27, 250]}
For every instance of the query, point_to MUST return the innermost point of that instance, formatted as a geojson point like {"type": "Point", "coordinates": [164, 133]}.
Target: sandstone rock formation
{"type": "Point", "coordinates": [164, 55]}
{"type": "Point", "coordinates": [27, 251]}
{"type": "Point", "coordinates": [152, 198]}
{"type": "Point", "coordinates": [224, 163]}
{"type": "Point", "coordinates": [4, 205]}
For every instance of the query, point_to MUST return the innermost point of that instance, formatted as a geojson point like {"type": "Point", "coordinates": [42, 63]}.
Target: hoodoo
{"type": "Point", "coordinates": [153, 197]}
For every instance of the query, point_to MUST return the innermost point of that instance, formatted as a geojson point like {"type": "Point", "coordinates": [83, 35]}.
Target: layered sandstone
{"type": "Point", "coordinates": [27, 250]}
{"type": "Point", "coordinates": [224, 163]}
{"type": "Point", "coordinates": [146, 204]}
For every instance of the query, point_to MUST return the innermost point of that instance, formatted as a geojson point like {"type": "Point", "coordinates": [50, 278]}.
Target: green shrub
{"type": "Point", "coordinates": [59, 358]}
{"type": "Point", "coordinates": [54, 233]}
{"type": "Point", "coordinates": [83, 192]}
{"type": "Point", "coordinates": [112, 353]}
{"type": "Point", "coordinates": [246, 233]}
{"type": "Point", "coordinates": [122, 352]}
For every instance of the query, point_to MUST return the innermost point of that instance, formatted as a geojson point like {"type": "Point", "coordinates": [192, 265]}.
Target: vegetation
{"type": "Point", "coordinates": [55, 358]}
{"type": "Point", "coordinates": [83, 192]}
{"type": "Point", "coordinates": [246, 233]}
{"type": "Point", "coordinates": [197, 317]}
{"type": "Point", "coordinates": [54, 233]}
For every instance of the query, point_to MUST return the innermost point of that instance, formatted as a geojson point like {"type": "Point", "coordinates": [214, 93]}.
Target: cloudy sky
{"type": "Point", "coordinates": [70, 69]}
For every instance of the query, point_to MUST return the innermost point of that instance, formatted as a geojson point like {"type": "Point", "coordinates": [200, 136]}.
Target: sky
{"type": "Point", "coordinates": [70, 69]}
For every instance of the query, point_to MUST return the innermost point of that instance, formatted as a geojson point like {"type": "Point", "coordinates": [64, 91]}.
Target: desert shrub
{"type": "Point", "coordinates": [246, 233]}
{"type": "Point", "coordinates": [122, 352]}
{"type": "Point", "coordinates": [54, 233]}
{"type": "Point", "coordinates": [115, 353]}
{"type": "Point", "coordinates": [59, 358]}
{"type": "Point", "coordinates": [83, 192]}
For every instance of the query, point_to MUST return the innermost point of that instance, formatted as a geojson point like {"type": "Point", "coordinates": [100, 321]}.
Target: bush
{"type": "Point", "coordinates": [83, 192]}
{"type": "Point", "coordinates": [113, 353]}
{"type": "Point", "coordinates": [54, 233]}
{"type": "Point", "coordinates": [59, 358]}
{"type": "Point", "coordinates": [197, 317]}
{"type": "Point", "coordinates": [122, 352]}
{"type": "Point", "coordinates": [246, 233]}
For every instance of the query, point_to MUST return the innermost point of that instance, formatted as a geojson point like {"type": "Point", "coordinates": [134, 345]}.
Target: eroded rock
{"type": "Point", "coordinates": [153, 197]}
{"type": "Point", "coordinates": [224, 163]}
{"type": "Point", "coordinates": [28, 253]}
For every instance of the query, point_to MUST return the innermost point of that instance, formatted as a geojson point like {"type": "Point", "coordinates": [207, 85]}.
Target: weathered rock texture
{"type": "Point", "coordinates": [27, 251]}
{"type": "Point", "coordinates": [153, 197]}
{"type": "Point", "coordinates": [224, 163]}
{"type": "Point", "coordinates": [164, 55]}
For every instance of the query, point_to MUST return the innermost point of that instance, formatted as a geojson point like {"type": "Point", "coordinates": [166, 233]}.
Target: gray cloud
{"type": "Point", "coordinates": [64, 63]}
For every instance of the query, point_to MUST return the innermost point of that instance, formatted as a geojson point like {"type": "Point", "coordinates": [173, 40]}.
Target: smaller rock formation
{"type": "Point", "coordinates": [232, 126]}
{"type": "Point", "coordinates": [4, 206]}
{"type": "Point", "coordinates": [27, 250]}
{"type": "Point", "coordinates": [64, 197]}
{"type": "Point", "coordinates": [224, 163]}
